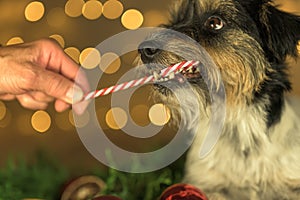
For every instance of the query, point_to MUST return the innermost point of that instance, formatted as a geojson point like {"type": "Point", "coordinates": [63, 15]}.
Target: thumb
{"type": "Point", "coordinates": [59, 87]}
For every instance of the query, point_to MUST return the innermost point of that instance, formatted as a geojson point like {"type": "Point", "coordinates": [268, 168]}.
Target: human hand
{"type": "Point", "coordinates": [38, 73]}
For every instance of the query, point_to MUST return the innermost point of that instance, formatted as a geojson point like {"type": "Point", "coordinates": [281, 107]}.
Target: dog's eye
{"type": "Point", "coordinates": [214, 23]}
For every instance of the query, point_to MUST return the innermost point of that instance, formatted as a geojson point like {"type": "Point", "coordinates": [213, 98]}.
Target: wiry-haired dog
{"type": "Point", "coordinates": [258, 153]}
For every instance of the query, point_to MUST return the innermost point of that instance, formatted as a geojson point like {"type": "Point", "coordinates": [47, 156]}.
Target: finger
{"type": "Point", "coordinates": [81, 80]}
{"type": "Point", "coordinates": [28, 102]}
{"type": "Point", "coordinates": [53, 58]}
{"type": "Point", "coordinates": [57, 86]}
{"type": "Point", "coordinates": [68, 68]}
{"type": "Point", "coordinates": [7, 97]}
{"type": "Point", "coordinates": [78, 108]}
{"type": "Point", "coordinates": [41, 96]}
{"type": "Point", "coordinates": [61, 106]}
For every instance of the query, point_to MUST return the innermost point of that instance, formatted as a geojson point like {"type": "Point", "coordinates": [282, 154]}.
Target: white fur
{"type": "Point", "coordinates": [249, 161]}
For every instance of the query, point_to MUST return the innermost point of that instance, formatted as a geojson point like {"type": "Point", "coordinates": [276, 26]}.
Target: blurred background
{"type": "Point", "coordinates": [79, 26]}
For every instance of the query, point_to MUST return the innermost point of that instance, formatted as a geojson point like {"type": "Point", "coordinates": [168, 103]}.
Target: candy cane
{"type": "Point", "coordinates": [182, 66]}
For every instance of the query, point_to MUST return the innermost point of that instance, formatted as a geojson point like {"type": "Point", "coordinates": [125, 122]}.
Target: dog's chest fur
{"type": "Point", "coordinates": [250, 161]}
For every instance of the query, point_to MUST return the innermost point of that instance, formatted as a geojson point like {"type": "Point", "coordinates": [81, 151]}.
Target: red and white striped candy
{"type": "Point", "coordinates": [182, 66]}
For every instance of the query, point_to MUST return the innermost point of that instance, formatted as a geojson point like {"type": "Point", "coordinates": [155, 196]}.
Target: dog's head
{"type": "Point", "coordinates": [247, 40]}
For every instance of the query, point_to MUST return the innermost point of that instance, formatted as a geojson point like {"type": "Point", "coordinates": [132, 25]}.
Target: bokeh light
{"type": "Point", "coordinates": [80, 120]}
{"type": "Point", "coordinates": [34, 11]}
{"type": "Point", "coordinates": [56, 17]}
{"type": "Point", "coordinates": [74, 53]}
{"type": "Point", "coordinates": [15, 40]}
{"type": "Point", "coordinates": [59, 39]}
{"type": "Point", "coordinates": [112, 9]}
{"type": "Point", "coordinates": [159, 114]}
{"type": "Point", "coordinates": [41, 121]}
{"type": "Point", "coordinates": [90, 58]}
{"type": "Point", "coordinates": [110, 63]}
{"type": "Point", "coordinates": [92, 10]}
{"type": "Point", "coordinates": [132, 19]}
{"type": "Point", "coordinates": [116, 118]}
{"type": "Point", "coordinates": [2, 110]}
{"type": "Point", "coordinates": [73, 8]}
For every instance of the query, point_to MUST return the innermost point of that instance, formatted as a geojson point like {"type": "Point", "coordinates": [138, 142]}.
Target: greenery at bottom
{"type": "Point", "coordinates": [45, 178]}
{"type": "Point", "coordinates": [39, 179]}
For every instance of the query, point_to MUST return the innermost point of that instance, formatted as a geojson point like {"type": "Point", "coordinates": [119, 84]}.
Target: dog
{"type": "Point", "coordinates": [257, 156]}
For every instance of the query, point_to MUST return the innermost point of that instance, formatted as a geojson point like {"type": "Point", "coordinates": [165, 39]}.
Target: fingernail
{"type": "Point", "coordinates": [74, 95]}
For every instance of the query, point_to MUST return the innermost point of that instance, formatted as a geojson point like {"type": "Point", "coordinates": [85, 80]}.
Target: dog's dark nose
{"type": "Point", "coordinates": [148, 51]}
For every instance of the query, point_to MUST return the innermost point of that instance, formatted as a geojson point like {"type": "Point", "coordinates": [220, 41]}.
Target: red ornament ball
{"type": "Point", "coordinates": [182, 191]}
{"type": "Point", "coordinates": [107, 197]}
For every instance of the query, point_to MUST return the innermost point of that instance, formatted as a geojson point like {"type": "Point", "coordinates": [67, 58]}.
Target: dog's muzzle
{"type": "Point", "coordinates": [150, 50]}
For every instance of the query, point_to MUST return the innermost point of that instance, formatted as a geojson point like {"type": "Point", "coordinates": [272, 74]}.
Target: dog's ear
{"type": "Point", "coordinates": [279, 31]}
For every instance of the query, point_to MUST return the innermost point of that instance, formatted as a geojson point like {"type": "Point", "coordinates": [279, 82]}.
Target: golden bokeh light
{"type": "Point", "coordinates": [73, 8]}
{"type": "Point", "coordinates": [116, 118]}
{"type": "Point", "coordinates": [132, 19]}
{"type": "Point", "coordinates": [112, 9]}
{"type": "Point", "coordinates": [2, 110]}
{"type": "Point", "coordinates": [56, 17]}
{"type": "Point", "coordinates": [110, 63]}
{"type": "Point", "coordinates": [74, 53]}
{"type": "Point", "coordinates": [15, 40]}
{"type": "Point", "coordinates": [90, 58]}
{"type": "Point", "coordinates": [79, 120]}
{"type": "Point", "coordinates": [155, 18]}
{"type": "Point", "coordinates": [159, 114]}
{"type": "Point", "coordinates": [59, 39]}
{"type": "Point", "coordinates": [41, 121]}
{"type": "Point", "coordinates": [139, 115]}
{"type": "Point", "coordinates": [34, 11]}
{"type": "Point", "coordinates": [92, 10]}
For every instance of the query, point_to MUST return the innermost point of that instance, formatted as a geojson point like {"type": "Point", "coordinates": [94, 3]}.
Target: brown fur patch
{"type": "Point", "coordinates": [241, 80]}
